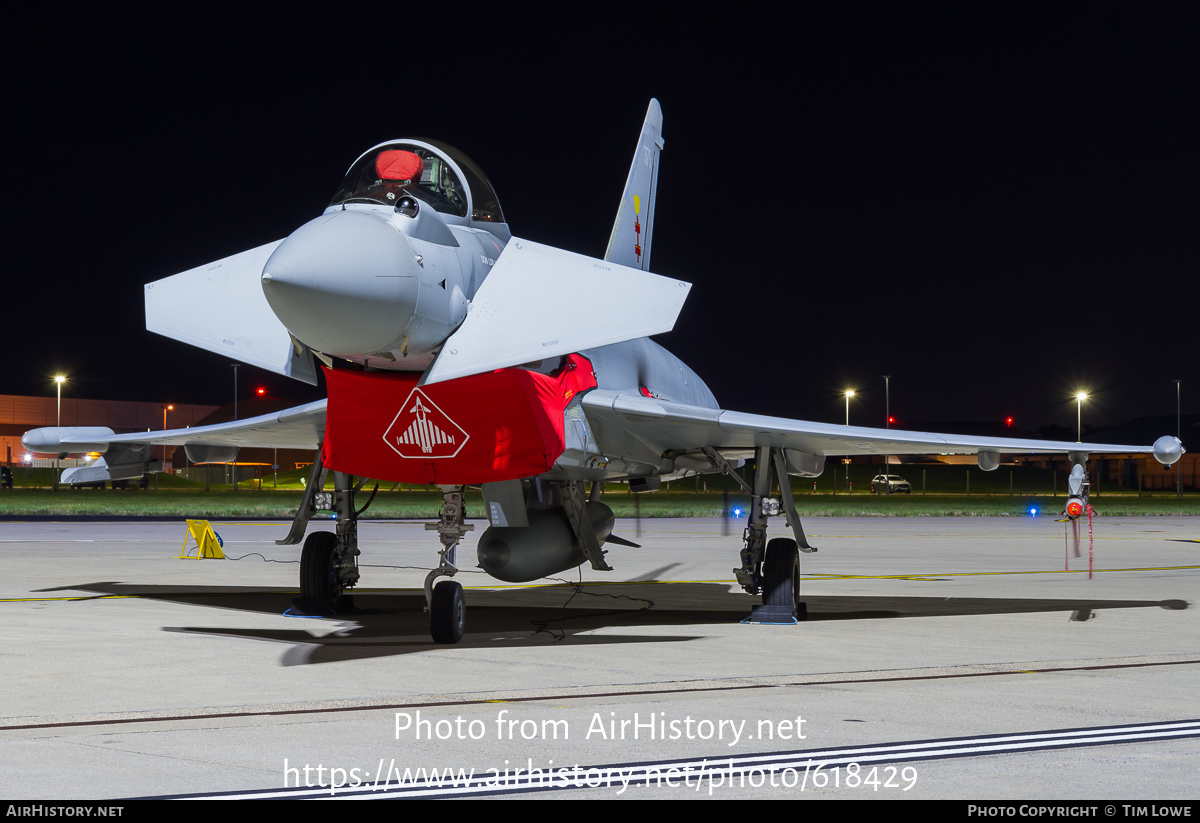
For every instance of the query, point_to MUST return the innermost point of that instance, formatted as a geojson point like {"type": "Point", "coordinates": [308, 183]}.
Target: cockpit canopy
{"type": "Point", "coordinates": [432, 172]}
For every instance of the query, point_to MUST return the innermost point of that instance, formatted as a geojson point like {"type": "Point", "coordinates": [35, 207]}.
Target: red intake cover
{"type": "Point", "coordinates": [502, 425]}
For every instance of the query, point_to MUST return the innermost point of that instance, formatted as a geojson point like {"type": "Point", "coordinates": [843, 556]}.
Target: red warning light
{"type": "Point", "coordinates": [1008, 422]}
{"type": "Point", "coordinates": [891, 420]}
{"type": "Point", "coordinates": [262, 392]}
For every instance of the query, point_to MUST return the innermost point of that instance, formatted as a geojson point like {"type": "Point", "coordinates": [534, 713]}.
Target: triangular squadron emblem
{"type": "Point", "coordinates": [422, 431]}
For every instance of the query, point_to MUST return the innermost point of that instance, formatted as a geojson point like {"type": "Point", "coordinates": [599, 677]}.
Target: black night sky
{"type": "Point", "coordinates": [994, 204]}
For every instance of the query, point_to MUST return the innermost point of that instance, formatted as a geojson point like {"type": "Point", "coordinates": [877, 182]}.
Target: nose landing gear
{"type": "Point", "coordinates": [329, 561]}
{"type": "Point", "coordinates": [444, 602]}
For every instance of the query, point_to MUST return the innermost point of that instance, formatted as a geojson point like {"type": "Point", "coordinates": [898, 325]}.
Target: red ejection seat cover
{"type": "Point", "coordinates": [397, 164]}
{"type": "Point", "coordinates": [502, 425]}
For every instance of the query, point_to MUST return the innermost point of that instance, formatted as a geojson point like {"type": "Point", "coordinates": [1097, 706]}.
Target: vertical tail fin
{"type": "Point", "coordinates": [629, 243]}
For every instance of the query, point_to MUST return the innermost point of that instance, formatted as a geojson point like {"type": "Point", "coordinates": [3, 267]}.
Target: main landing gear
{"type": "Point", "coordinates": [770, 569]}
{"type": "Point", "coordinates": [329, 560]}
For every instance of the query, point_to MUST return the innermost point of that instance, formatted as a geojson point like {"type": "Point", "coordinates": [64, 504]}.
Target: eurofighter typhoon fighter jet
{"type": "Point", "coordinates": [472, 364]}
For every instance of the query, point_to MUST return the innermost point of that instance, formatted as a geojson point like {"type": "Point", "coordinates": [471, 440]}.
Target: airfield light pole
{"type": "Point", "coordinates": [1079, 398]}
{"type": "Point", "coordinates": [58, 381]}
{"type": "Point", "coordinates": [887, 424]}
{"type": "Point", "coordinates": [887, 401]}
{"type": "Point", "coordinates": [166, 409]}
{"type": "Point", "coordinates": [849, 394]}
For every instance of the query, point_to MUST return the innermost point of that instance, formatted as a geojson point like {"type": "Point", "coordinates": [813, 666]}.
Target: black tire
{"type": "Point", "coordinates": [319, 565]}
{"type": "Point", "coordinates": [781, 575]}
{"type": "Point", "coordinates": [447, 613]}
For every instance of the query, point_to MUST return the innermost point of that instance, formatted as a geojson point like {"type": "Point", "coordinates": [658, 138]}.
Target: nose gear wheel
{"type": "Point", "coordinates": [447, 613]}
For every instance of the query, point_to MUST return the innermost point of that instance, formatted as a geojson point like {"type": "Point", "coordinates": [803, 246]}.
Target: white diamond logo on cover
{"type": "Point", "coordinates": [422, 431]}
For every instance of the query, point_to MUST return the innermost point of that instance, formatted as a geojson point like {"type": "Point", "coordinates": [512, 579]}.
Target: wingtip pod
{"type": "Point", "coordinates": [66, 439]}
{"type": "Point", "coordinates": [1168, 449]}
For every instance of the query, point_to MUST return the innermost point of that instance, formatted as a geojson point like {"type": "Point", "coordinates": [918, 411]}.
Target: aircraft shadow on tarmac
{"type": "Point", "coordinates": [385, 623]}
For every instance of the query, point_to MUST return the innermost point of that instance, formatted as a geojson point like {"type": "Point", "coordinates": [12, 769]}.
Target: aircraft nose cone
{"type": "Point", "coordinates": [345, 283]}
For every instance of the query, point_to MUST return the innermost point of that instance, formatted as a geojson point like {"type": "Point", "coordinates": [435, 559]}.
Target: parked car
{"type": "Point", "coordinates": [881, 483]}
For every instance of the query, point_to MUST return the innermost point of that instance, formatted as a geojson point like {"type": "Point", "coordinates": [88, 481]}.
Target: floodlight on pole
{"type": "Point", "coordinates": [1079, 398]}
{"type": "Point", "coordinates": [887, 422]}
{"type": "Point", "coordinates": [59, 380]}
{"type": "Point", "coordinates": [58, 384]}
{"type": "Point", "coordinates": [849, 394]}
{"type": "Point", "coordinates": [166, 409]}
{"type": "Point", "coordinates": [887, 400]}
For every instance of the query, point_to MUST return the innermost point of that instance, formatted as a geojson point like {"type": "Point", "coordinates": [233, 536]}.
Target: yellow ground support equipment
{"type": "Point", "coordinates": [207, 543]}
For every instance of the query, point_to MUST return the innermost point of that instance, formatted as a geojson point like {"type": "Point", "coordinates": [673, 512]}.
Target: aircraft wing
{"type": "Point", "coordinates": [301, 427]}
{"type": "Point", "coordinates": [624, 423]}
{"type": "Point", "coordinates": [662, 426]}
{"type": "Point", "coordinates": [126, 456]}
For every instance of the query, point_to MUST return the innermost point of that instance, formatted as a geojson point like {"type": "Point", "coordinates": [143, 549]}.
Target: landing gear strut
{"type": "Point", "coordinates": [444, 602]}
{"type": "Point", "coordinates": [769, 569]}
{"type": "Point", "coordinates": [329, 560]}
